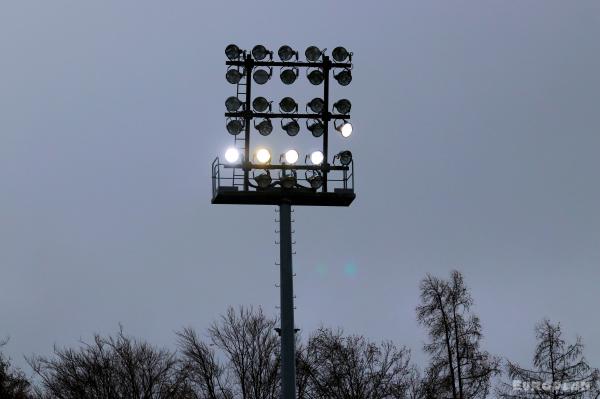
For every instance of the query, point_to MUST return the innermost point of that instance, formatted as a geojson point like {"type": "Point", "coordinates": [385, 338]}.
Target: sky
{"type": "Point", "coordinates": [476, 141]}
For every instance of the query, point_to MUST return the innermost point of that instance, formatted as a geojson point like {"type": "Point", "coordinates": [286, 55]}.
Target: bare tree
{"type": "Point", "coordinates": [242, 361]}
{"type": "Point", "coordinates": [304, 368]}
{"type": "Point", "coordinates": [351, 367]}
{"type": "Point", "coordinates": [13, 383]}
{"type": "Point", "coordinates": [110, 367]}
{"type": "Point", "coordinates": [207, 377]}
{"type": "Point", "coordinates": [416, 387]}
{"type": "Point", "coordinates": [248, 341]}
{"type": "Point", "coordinates": [458, 367]}
{"type": "Point", "coordinates": [560, 370]}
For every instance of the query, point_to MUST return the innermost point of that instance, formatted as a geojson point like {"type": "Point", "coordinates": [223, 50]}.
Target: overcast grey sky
{"type": "Point", "coordinates": [477, 133]}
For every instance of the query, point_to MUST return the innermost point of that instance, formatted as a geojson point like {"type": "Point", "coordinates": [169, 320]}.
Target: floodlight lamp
{"type": "Point", "coordinates": [316, 128]}
{"type": "Point", "coordinates": [315, 181]}
{"type": "Point", "coordinates": [288, 104]}
{"type": "Point", "coordinates": [289, 75]}
{"type": "Point", "coordinates": [233, 52]}
{"type": "Point", "coordinates": [316, 157]}
{"type": "Point", "coordinates": [313, 54]}
{"type": "Point", "coordinates": [235, 126]}
{"type": "Point", "coordinates": [263, 156]}
{"type": "Point", "coordinates": [345, 157]}
{"type": "Point", "coordinates": [263, 180]}
{"type": "Point", "coordinates": [233, 104]}
{"type": "Point", "coordinates": [233, 76]}
{"type": "Point", "coordinates": [343, 106]}
{"type": "Point", "coordinates": [345, 128]}
{"type": "Point", "coordinates": [259, 52]}
{"type": "Point", "coordinates": [262, 76]}
{"type": "Point", "coordinates": [291, 156]}
{"type": "Point", "coordinates": [232, 155]}
{"type": "Point", "coordinates": [260, 104]}
{"type": "Point", "coordinates": [286, 53]}
{"type": "Point", "coordinates": [265, 127]}
{"type": "Point", "coordinates": [292, 128]}
{"type": "Point", "coordinates": [344, 78]}
{"type": "Point", "coordinates": [316, 77]}
{"type": "Point", "coordinates": [288, 182]}
{"type": "Point", "coordinates": [340, 54]}
{"type": "Point", "coordinates": [316, 105]}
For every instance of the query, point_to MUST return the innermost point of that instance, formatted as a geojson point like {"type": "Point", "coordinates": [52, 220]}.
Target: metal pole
{"type": "Point", "coordinates": [248, 118]}
{"type": "Point", "coordinates": [288, 350]}
{"type": "Point", "coordinates": [326, 69]}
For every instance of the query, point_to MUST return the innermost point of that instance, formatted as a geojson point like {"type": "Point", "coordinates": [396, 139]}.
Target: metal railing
{"type": "Point", "coordinates": [225, 178]}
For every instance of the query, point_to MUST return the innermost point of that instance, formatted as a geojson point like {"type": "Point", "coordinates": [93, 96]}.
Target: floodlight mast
{"type": "Point", "coordinates": [287, 191]}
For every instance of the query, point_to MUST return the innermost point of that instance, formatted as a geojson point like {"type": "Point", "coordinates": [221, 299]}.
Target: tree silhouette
{"type": "Point", "coordinates": [110, 367]}
{"type": "Point", "coordinates": [250, 346]}
{"type": "Point", "coordinates": [13, 383]}
{"type": "Point", "coordinates": [239, 357]}
{"type": "Point", "coordinates": [458, 367]}
{"type": "Point", "coordinates": [560, 370]}
{"type": "Point", "coordinates": [241, 360]}
{"type": "Point", "coordinates": [352, 367]}
{"type": "Point", "coordinates": [206, 376]}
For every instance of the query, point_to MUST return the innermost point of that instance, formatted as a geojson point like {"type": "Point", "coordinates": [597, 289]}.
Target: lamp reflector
{"type": "Point", "coordinates": [288, 104]}
{"type": "Point", "coordinates": [235, 126]}
{"type": "Point", "coordinates": [265, 127]}
{"type": "Point", "coordinates": [316, 77]}
{"type": "Point", "coordinates": [340, 54]}
{"type": "Point", "coordinates": [233, 76]}
{"type": "Point", "coordinates": [285, 53]}
{"type": "Point", "coordinates": [315, 181]}
{"type": "Point", "coordinates": [345, 157]}
{"type": "Point", "coordinates": [288, 182]}
{"type": "Point", "coordinates": [343, 106]}
{"type": "Point", "coordinates": [292, 128]}
{"type": "Point", "coordinates": [316, 105]}
{"type": "Point", "coordinates": [259, 52]}
{"type": "Point", "coordinates": [344, 78]}
{"type": "Point", "coordinates": [260, 104]}
{"type": "Point", "coordinates": [317, 129]}
{"type": "Point", "coordinates": [233, 104]}
{"type": "Point", "coordinates": [313, 53]}
{"type": "Point", "coordinates": [288, 76]}
{"type": "Point", "coordinates": [263, 180]}
{"type": "Point", "coordinates": [233, 52]}
{"type": "Point", "coordinates": [261, 76]}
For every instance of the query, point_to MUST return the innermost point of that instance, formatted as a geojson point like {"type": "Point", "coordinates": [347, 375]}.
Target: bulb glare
{"type": "Point", "coordinates": [263, 155]}
{"type": "Point", "coordinates": [232, 155]}
{"type": "Point", "coordinates": [316, 157]}
{"type": "Point", "coordinates": [346, 130]}
{"type": "Point", "coordinates": [291, 156]}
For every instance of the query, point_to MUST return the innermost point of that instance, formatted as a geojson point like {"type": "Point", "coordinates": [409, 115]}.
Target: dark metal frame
{"type": "Point", "coordinates": [247, 63]}
{"type": "Point", "coordinates": [235, 189]}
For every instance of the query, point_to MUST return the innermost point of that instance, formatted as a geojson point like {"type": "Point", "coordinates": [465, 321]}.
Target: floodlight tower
{"type": "Point", "coordinates": [245, 177]}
